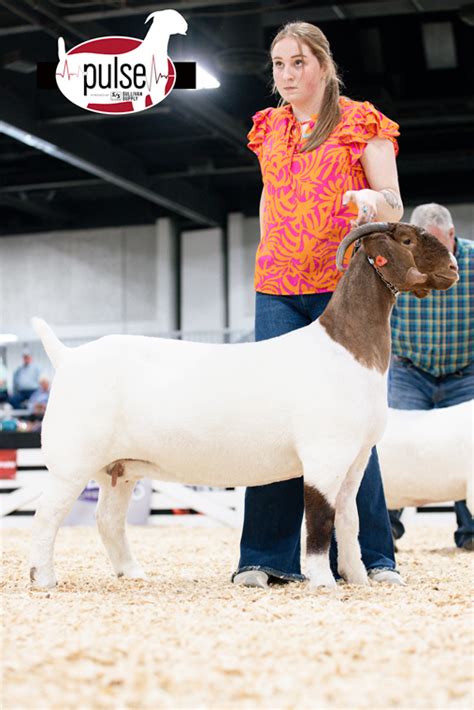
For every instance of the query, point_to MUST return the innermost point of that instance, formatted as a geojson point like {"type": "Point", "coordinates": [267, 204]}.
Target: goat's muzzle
{"type": "Point", "coordinates": [447, 276]}
{"type": "Point", "coordinates": [450, 278]}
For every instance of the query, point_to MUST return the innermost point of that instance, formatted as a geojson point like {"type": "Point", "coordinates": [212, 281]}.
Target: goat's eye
{"type": "Point", "coordinates": [407, 241]}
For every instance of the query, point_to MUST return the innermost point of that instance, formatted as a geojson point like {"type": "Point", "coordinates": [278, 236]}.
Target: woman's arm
{"type": "Point", "coordinates": [382, 202]}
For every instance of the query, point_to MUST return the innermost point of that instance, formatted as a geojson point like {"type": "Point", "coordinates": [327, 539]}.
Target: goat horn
{"type": "Point", "coordinates": [356, 234]}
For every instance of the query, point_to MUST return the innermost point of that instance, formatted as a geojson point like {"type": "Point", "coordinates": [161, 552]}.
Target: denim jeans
{"type": "Point", "coordinates": [412, 388]}
{"type": "Point", "coordinates": [271, 534]}
{"type": "Point", "coordinates": [20, 399]}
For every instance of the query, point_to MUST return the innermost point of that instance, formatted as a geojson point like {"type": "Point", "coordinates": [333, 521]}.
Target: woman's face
{"type": "Point", "coordinates": [297, 73]}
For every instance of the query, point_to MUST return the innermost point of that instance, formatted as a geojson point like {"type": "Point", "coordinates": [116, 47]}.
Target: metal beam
{"type": "Point", "coordinates": [273, 16]}
{"type": "Point", "coordinates": [83, 17]}
{"type": "Point", "coordinates": [43, 17]}
{"type": "Point", "coordinates": [89, 117]}
{"type": "Point", "coordinates": [203, 110]}
{"type": "Point", "coordinates": [101, 159]}
{"type": "Point", "coordinates": [154, 181]}
{"type": "Point", "coordinates": [452, 161]}
{"type": "Point", "coordinates": [37, 209]}
{"type": "Point", "coordinates": [54, 28]}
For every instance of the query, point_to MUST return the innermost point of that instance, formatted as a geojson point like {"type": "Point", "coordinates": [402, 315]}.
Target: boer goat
{"type": "Point", "coordinates": [426, 456]}
{"type": "Point", "coordinates": [311, 402]}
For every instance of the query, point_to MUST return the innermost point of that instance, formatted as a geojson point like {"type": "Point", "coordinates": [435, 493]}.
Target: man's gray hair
{"type": "Point", "coordinates": [432, 214]}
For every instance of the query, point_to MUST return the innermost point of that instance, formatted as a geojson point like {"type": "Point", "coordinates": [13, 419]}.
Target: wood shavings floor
{"type": "Point", "coordinates": [187, 638]}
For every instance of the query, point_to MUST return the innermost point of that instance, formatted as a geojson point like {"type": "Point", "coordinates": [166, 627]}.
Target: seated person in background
{"type": "Point", "coordinates": [3, 383]}
{"type": "Point", "coordinates": [39, 399]}
{"type": "Point", "coordinates": [25, 380]}
{"type": "Point", "coordinates": [432, 363]}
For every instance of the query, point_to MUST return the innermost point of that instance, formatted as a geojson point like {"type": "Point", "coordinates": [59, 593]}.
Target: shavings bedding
{"type": "Point", "coordinates": [187, 638]}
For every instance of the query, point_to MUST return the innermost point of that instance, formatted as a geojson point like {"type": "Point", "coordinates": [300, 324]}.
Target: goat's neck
{"type": "Point", "coordinates": [358, 315]}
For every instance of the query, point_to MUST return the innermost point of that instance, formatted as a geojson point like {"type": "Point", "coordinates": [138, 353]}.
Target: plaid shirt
{"type": "Point", "coordinates": [435, 333]}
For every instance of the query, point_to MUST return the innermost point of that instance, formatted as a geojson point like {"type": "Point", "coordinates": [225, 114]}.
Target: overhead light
{"type": "Point", "coordinates": [18, 61]}
{"type": "Point", "coordinates": [7, 338]}
{"type": "Point", "coordinates": [439, 45]}
{"type": "Point", "coordinates": [204, 79]}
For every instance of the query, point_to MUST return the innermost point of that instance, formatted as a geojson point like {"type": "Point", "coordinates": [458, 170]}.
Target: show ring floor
{"type": "Point", "coordinates": [187, 638]}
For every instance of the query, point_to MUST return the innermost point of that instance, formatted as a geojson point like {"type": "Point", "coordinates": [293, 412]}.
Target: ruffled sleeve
{"type": "Point", "coordinates": [257, 133]}
{"type": "Point", "coordinates": [361, 122]}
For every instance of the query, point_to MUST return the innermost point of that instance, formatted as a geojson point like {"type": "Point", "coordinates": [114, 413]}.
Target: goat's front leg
{"type": "Point", "coordinates": [53, 506]}
{"type": "Point", "coordinates": [111, 515]}
{"type": "Point", "coordinates": [319, 526]}
{"type": "Point", "coordinates": [349, 562]}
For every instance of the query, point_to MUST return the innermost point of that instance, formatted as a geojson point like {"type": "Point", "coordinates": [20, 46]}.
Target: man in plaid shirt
{"type": "Point", "coordinates": [432, 348]}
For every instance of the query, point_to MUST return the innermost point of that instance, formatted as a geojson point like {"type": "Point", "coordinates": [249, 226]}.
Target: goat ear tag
{"type": "Point", "coordinates": [380, 260]}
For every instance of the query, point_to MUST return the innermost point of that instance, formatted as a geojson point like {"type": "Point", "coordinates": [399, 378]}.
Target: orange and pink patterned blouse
{"type": "Point", "coordinates": [304, 219]}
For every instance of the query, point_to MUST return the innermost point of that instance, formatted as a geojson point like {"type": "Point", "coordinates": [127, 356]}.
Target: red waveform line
{"type": "Point", "coordinates": [154, 76]}
{"type": "Point", "coordinates": [153, 72]}
{"type": "Point", "coordinates": [69, 74]}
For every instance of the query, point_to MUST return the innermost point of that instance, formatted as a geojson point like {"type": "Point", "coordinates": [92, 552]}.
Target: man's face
{"type": "Point", "coordinates": [26, 359]}
{"type": "Point", "coordinates": [445, 236]}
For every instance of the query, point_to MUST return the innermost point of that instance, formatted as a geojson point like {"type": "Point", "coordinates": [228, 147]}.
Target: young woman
{"type": "Point", "coordinates": [328, 163]}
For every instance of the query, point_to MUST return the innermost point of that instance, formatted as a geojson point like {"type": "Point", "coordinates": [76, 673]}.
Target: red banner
{"type": "Point", "coordinates": [7, 463]}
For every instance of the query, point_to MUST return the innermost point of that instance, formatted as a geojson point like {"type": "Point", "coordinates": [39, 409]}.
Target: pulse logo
{"type": "Point", "coordinates": [121, 74]}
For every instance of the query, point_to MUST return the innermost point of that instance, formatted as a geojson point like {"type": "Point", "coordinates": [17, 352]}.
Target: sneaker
{"type": "Point", "coordinates": [387, 575]}
{"type": "Point", "coordinates": [468, 544]}
{"type": "Point", "coordinates": [252, 578]}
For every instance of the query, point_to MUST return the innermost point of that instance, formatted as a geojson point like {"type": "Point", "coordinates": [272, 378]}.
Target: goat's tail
{"type": "Point", "coordinates": [55, 349]}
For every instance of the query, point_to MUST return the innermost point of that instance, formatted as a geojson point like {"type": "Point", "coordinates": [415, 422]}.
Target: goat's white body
{"type": "Point", "coordinates": [426, 456]}
{"type": "Point", "coordinates": [229, 415]}
{"type": "Point", "coordinates": [219, 415]}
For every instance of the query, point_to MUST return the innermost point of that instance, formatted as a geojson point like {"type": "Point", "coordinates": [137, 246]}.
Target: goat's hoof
{"type": "Point", "coordinates": [327, 584]}
{"type": "Point", "coordinates": [42, 580]}
{"type": "Point", "coordinates": [355, 576]}
{"type": "Point", "coordinates": [132, 571]}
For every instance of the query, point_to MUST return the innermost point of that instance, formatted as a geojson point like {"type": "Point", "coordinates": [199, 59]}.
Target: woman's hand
{"type": "Point", "coordinates": [366, 203]}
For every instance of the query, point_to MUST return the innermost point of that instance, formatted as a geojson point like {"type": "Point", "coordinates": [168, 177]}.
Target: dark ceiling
{"type": "Point", "coordinates": [187, 157]}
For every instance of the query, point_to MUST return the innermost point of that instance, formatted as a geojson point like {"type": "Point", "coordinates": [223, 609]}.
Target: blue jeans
{"type": "Point", "coordinates": [20, 399]}
{"type": "Point", "coordinates": [412, 388]}
{"type": "Point", "coordinates": [271, 534]}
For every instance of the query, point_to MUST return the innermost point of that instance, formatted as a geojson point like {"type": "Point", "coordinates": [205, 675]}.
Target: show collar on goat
{"type": "Point", "coordinates": [414, 261]}
{"type": "Point", "coordinates": [381, 261]}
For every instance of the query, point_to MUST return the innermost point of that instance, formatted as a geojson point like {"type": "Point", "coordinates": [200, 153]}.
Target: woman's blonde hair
{"type": "Point", "coordinates": [330, 114]}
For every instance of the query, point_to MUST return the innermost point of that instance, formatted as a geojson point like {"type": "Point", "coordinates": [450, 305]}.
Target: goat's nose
{"type": "Point", "coordinates": [454, 267]}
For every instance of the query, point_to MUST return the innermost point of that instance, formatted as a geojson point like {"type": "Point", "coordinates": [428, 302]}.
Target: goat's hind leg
{"type": "Point", "coordinates": [56, 501]}
{"type": "Point", "coordinates": [111, 516]}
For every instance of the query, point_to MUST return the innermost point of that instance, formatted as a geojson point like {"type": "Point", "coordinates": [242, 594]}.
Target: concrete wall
{"type": "Point", "coordinates": [202, 280]}
{"type": "Point", "coordinates": [87, 283]}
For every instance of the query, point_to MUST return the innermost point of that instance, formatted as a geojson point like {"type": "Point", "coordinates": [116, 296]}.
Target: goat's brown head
{"type": "Point", "coordinates": [407, 257]}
